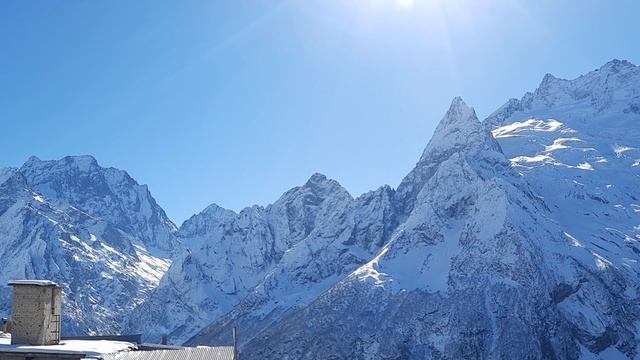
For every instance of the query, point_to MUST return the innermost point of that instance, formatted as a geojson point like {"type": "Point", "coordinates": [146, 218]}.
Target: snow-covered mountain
{"type": "Point", "coordinates": [92, 229]}
{"type": "Point", "coordinates": [515, 237]}
{"type": "Point", "coordinates": [265, 262]}
{"type": "Point", "coordinates": [479, 268]}
{"type": "Point", "coordinates": [578, 144]}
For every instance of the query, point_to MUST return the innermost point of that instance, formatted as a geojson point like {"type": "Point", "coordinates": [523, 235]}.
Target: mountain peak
{"type": "Point", "coordinates": [617, 65]}
{"type": "Point", "coordinates": [548, 79]}
{"type": "Point", "coordinates": [211, 215]}
{"type": "Point", "coordinates": [460, 111]}
{"type": "Point", "coordinates": [612, 87]}
{"type": "Point", "coordinates": [33, 159]}
{"type": "Point", "coordinates": [459, 117]}
{"type": "Point", "coordinates": [459, 134]}
{"type": "Point", "coordinates": [458, 129]}
{"type": "Point", "coordinates": [81, 162]}
{"type": "Point", "coordinates": [32, 162]}
{"type": "Point", "coordinates": [318, 186]}
{"type": "Point", "coordinates": [217, 210]}
{"type": "Point", "coordinates": [316, 178]}
{"type": "Point", "coordinates": [322, 186]}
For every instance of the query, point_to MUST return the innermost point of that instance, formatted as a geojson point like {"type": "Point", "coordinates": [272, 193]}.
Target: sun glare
{"type": "Point", "coordinates": [405, 3]}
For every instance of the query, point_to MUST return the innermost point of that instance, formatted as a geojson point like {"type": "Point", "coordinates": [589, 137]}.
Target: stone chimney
{"type": "Point", "coordinates": [36, 312]}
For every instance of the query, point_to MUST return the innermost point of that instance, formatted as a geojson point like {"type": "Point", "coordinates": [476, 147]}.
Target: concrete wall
{"type": "Point", "coordinates": [35, 315]}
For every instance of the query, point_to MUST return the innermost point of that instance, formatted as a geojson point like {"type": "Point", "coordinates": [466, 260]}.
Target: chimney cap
{"type": "Point", "coordinates": [33, 282]}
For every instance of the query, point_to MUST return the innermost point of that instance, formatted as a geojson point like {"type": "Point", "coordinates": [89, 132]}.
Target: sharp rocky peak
{"type": "Point", "coordinates": [459, 110]}
{"type": "Point", "coordinates": [459, 136]}
{"type": "Point", "coordinates": [217, 209]}
{"type": "Point", "coordinates": [319, 181]}
{"type": "Point", "coordinates": [319, 185]}
{"type": "Point", "coordinates": [213, 212]}
{"type": "Point", "coordinates": [459, 130]}
{"type": "Point", "coordinates": [317, 178]}
{"type": "Point", "coordinates": [550, 80]}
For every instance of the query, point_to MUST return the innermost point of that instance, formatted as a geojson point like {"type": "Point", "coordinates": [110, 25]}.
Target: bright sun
{"type": "Point", "coordinates": [405, 3]}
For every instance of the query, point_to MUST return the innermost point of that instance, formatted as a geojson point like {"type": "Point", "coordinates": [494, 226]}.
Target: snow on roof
{"type": "Point", "coordinates": [90, 348]}
{"type": "Point", "coordinates": [32, 282]}
{"type": "Point", "coordinates": [116, 350]}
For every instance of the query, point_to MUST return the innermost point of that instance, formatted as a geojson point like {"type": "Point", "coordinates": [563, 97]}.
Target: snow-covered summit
{"type": "Point", "coordinates": [611, 88]}
{"type": "Point", "coordinates": [109, 193]}
{"type": "Point", "coordinates": [319, 185]}
{"type": "Point", "coordinates": [34, 166]}
{"type": "Point", "coordinates": [459, 130]}
{"type": "Point", "coordinates": [316, 178]}
{"type": "Point", "coordinates": [616, 66]}
{"type": "Point", "coordinates": [459, 133]}
{"type": "Point", "coordinates": [93, 230]}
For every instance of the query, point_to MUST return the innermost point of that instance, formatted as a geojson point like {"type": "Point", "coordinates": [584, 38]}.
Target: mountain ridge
{"type": "Point", "coordinates": [559, 299]}
{"type": "Point", "coordinates": [513, 236]}
{"type": "Point", "coordinates": [93, 229]}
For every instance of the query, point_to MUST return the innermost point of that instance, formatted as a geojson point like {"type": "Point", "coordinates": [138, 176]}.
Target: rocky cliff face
{"type": "Point", "coordinates": [94, 230]}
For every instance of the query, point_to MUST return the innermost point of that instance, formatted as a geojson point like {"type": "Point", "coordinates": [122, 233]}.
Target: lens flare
{"type": "Point", "coordinates": [405, 3]}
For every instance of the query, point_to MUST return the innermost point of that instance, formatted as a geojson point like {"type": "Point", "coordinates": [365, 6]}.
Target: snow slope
{"type": "Point", "coordinates": [583, 156]}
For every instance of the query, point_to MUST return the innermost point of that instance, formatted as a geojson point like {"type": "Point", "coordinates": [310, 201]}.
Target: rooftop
{"type": "Point", "coordinates": [114, 350]}
{"type": "Point", "coordinates": [88, 348]}
{"type": "Point", "coordinates": [32, 282]}
{"type": "Point", "coordinates": [199, 353]}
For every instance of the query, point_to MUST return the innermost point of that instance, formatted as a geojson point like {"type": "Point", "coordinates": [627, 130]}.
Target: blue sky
{"type": "Point", "coordinates": [235, 102]}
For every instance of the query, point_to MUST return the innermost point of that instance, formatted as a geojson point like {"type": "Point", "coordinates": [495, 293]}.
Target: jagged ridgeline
{"type": "Point", "coordinates": [514, 237]}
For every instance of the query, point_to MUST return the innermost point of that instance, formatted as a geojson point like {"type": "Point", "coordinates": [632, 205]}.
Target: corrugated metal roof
{"type": "Point", "coordinates": [27, 353]}
{"type": "Point", "coordinates": [199, 353]}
